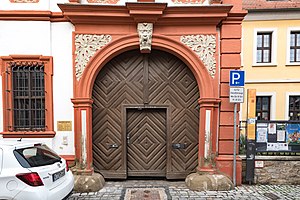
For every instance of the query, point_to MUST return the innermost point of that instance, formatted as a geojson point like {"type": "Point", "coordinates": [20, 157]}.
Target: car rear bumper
{"type": "Point", "coordinates": [41, 193]}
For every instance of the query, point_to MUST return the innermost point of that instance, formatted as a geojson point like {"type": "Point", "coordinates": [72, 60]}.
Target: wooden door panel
{"type": "Point", "coordinates": [119, 82]}
{"type": "Point", "coordinates": [158, 78]}
{"type": "Point", "coordinates": [174, 84]}
{"type": "Point", "coordinates": [146, 142]}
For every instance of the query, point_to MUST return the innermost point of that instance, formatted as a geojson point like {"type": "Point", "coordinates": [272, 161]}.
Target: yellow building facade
{"type": "Point", "coordinates": [271, 61]}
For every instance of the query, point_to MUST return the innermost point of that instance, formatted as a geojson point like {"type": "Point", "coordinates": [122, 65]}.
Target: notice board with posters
{"type": "Point", "coordinates": [277, 136]}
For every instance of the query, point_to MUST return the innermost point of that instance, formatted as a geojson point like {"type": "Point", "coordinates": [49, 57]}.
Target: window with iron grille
{"type": "Point", "coordinates": [294, 107]}
{"type": "Point", "coordinates": [28, 96]}
{"type": "Point", "coordinates": [263, 107]}
{"type": "Point", "coordinates": [264, 47]}
{"type": "Point", "coordinates": [295, 46]}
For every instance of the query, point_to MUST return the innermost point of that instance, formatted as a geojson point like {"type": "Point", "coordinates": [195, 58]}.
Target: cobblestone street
{"type": "Point", "coordinates": [176, 190]}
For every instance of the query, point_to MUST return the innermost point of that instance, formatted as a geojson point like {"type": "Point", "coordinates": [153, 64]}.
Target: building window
{"type": "Point", "coordinates": [294, 107]}
{"type": "Point", "coordinates": [295, 46]}
{"type": "Point", "coordinates": [264, 47]}
{"type": "Point", "coordinates": [263, 107]}
{"type": "Point", "coordinates": [27, 95]}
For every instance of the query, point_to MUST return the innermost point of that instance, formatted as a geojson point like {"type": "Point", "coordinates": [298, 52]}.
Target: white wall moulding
{"type": "Point", "coordinates": [205, 47]}
{"type": "Point", "coordinates": [86, 46]}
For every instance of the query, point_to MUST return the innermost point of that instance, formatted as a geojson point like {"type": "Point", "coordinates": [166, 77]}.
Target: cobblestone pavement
{"type": "Point", "coordinates": [176, 190]}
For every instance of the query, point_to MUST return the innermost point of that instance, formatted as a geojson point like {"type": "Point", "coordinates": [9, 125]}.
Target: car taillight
{"type": "Point", "coordinates": [67, 166]}
{"type": "Point", "coordinates": [32, 179]}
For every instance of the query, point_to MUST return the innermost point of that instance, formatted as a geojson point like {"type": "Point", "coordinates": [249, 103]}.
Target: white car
{"type": "Point", "coordinates": [30, 170]}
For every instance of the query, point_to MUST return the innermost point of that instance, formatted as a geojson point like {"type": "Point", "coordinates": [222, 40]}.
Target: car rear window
{"type": "Point", "coordinates": [35, 156]}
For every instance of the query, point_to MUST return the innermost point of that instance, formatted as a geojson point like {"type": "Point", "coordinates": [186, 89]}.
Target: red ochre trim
{"type": "Point", "coordinates": [7, 97]}
{"type": "Point", "coordinates": [68, 158]}
{"type": "Point", "coordinates": [29, 134]}
{"type": "Point", "coordinates": [24, 1]}
{"type": "Point", "coordinates": [150, 12]}
{"type": "Point", "coordinates": [30, 15]}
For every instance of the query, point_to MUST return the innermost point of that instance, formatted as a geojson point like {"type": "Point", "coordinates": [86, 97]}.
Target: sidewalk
{"type": "Point", "coordinates": [176, 190]}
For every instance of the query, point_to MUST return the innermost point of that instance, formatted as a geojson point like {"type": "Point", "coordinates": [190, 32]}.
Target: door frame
{"type": "Point", "coordinates": [125, 107]}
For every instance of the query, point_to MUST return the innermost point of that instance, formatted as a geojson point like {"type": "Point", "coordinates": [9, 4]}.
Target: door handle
{"type": "Point", "coordinates": [113, 146]}
{"type": "Point", "coordinates": [179, 145]}
{"type": "Point", "coordinates": [128, 137]}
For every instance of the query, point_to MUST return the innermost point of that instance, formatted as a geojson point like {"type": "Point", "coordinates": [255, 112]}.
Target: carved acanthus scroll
{"type": "Point", "coordinates": [145, 31]}
{"type": "Point", "coordinates": [205, 47]}
{"type": "Point", "coordinates": [86, 46]}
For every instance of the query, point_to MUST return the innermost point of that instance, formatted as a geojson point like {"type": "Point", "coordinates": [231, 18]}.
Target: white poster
{"type": "Point", "coordinates": [277, 147]}
{"type": "Point", "coordinates": [272, 147]}
{"type": "Point", "coordinates": [261, 124]}
{"type": "Point", "coordinates": [272, 128]}
{"type": "Point", "coordinates": [280, 135]}
{"type": "Point", "coordinates": [283, 146]}
{"type": "Point", "coordinates": [261, 135]}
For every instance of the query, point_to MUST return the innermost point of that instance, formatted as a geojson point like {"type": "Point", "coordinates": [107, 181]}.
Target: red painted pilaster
{"type": "Point", "coordinates": [83, 143]}
{"type": "Point", "coordinates": [209, 109]}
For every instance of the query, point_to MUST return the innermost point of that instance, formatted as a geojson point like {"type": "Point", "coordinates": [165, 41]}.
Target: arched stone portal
{"type": "Point", "coordinates": [207, 103]}
{"type": "Point", "coordinates": [170, 25]}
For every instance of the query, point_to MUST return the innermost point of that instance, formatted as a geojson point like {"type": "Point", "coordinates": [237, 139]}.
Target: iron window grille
{"type": "Point", "coordinates": [294, 108]}
{"type": "Point", "coordinates": [295, 46]}
{"type": "Point", "coordinates": [28, 96]}
{"type": "Point", "coordinates": [264, 47]}
{"type": "Point", "coordinates": [263, 107]}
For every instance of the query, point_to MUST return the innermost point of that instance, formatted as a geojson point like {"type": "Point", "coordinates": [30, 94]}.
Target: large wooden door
{"type": "Point", "coordinates": [153, 80]}
{"type": "Point", "coordinates": [146, 142]}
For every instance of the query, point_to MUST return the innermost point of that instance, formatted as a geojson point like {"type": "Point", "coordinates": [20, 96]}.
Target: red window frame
{"type": "Point", "coordinates": [8, 99]}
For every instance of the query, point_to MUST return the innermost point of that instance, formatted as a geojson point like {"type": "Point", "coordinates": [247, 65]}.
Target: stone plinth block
{"type": "Point", "coordinates": [88, 183]}
{"type": "Point", "coordinates": [211, 182]}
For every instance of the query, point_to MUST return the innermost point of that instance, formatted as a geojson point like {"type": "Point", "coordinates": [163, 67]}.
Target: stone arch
{"type": "Point", "coordinates": [204, 80]}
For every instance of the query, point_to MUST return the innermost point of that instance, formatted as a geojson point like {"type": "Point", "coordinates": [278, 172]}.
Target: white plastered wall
{"type": "Point", "coordinates": [25, 37]}
{"type": "Point", "coordinates": [61, 43]}
{"type": "Point", "coordinates": [42, 5]}
{"type": "Point", "coordinates": [46, 39]}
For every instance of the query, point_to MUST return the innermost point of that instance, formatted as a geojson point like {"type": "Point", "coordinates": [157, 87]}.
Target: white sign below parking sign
{"type": "Point", "coordinates": [236, 95]}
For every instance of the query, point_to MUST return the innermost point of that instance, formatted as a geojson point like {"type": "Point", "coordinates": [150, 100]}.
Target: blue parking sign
{"type": "Point", "coordinates": [236, 78]}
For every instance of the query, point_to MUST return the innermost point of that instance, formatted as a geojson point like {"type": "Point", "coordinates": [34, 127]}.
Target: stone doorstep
{"type": "Point", "coordinates": [208, 182]}
{"type": "Point", "coordinates": [88, 183]}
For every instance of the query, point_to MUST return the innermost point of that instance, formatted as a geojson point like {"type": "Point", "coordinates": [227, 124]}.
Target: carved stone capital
{"type": "Point", "coordinates": [85, 47]}
{"type": "Point", "coordinates": [205, 47]}
{"type": "Point", "coordinates": [145, 31]}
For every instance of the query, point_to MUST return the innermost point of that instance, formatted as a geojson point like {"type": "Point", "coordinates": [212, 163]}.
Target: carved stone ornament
{"type": "Point", "coordinates": [205, 47]}
{"type": "Point", "coordinates": [145, 31]}
{"type": "Point", "coordinates": [85, 47]}
{"type": "Point", "coordinates": [24, 1]}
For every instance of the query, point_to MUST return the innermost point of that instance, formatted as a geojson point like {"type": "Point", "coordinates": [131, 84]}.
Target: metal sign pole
{"type": "Point", "coordinates": [236, 95]}
{"type": "Point", "coordinates": [234, 145]}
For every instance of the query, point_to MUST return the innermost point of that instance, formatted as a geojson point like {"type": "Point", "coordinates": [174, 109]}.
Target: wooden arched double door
{"type": "Point", "coordinates": [145, 117]}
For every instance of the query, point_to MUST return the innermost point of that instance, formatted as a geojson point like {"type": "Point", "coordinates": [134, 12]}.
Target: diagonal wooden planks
{"type": "Point", "coordinates": [147, 142]}
{"type": "Point", "coordinates": [156, 79]}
